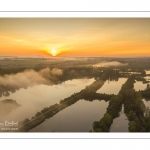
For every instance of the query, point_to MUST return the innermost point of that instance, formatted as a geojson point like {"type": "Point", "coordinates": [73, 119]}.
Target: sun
{"type": "Point", "coordinates": [53, 52]}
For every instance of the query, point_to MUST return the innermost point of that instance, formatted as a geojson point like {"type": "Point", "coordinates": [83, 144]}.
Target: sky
{"type": "Point", "coordinates": [74, 37]}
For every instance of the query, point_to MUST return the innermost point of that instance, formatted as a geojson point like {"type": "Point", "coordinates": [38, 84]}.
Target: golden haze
{"type": "Point", "coordinates": [75, 36]}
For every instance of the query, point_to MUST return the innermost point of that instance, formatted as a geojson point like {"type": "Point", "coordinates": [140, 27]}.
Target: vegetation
{"type": "Point", "coordinates": [113, 109]}
{"type": "Point", "coordinates": [89, 93]}
{"type": "Point", "coordinates": [146, 93]}
{"type": "Point", "coordinates": [134, 108]}
{"type": "Point", "coordinates": [147, 119]}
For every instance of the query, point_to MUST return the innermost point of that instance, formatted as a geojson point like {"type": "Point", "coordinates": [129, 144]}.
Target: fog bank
{"type": "Point", "coordinates": [109, 64]}
{"type": "Point", "coordinates": [28, 78]}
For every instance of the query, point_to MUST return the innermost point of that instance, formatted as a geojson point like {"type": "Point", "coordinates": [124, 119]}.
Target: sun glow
{"type": "Point", "coordinates": [53, 52]}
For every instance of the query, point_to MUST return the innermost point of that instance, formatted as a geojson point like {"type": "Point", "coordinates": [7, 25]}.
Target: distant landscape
{"type": "Point", "coordinates": [102, 97]}
{"type": "Point", "coordinates": [75, 75]}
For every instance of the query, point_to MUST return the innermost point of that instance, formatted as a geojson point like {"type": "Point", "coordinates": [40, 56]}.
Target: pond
{"type": "Point", "coordinates": [139, 85]}
{"type": "Point", "coordinates": [35, 98]}
{"type": "Point", "coordinates": [112, 87]}
{"type": "Point", "coordinates": [147, 71]}
{"type": "Point", "coordinates": [78, 117]}
{"type": "Point", "coordinates": [147, 78]}
{"type": "Point", "coordinates": [120, 124]}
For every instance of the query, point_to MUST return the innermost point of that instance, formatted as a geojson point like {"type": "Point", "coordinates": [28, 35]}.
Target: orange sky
{"type": "Point", "coordinates": [74, 37]}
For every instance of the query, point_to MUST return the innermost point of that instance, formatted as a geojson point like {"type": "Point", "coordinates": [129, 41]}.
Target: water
{"type": "Point", "coordinates": [147, 71]}
{"type": "Point", "coordinates": [35, 98]}
{"type": "Point", "coordinates": [146, 103]}
{"type": "Point", "coordinates": [139, 86]}
{"type": "Point", "coordinates": [78, 117]}
{"type": "Point", "coordinates": [147, 78]}
{"type": "Point", "coordinates": [120, 124]}
{"type": "Point", "coordinates": [112, 87]}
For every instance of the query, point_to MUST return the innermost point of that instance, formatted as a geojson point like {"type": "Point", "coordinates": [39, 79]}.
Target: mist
{"type": "Point", "coordinates": [28, 78]}
{"type": "Point", "coordinates": [109, 64]}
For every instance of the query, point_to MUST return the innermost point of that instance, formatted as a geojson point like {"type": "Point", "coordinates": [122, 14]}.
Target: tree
{"type": "Point", "coordinates": [26, 121]}
{"type": "Point", "coordinates": [140, 106]}
{"type": "Point", "coordinates": [37, 114]}
{"type": "Point", "coordinates": [147, 113]}
{"type": "Point", "coordinates": [45, 109]}
{"type": "Point", "coordinates": [147, 86]}
{"type": "Point", "coordinates": [95, 124]}
{"type": "Point", "coordinates": [134, 126]}
{"type": "Point", "coordinates": [147, 119]}
{"type": "Point", "coordinates": [131, 115]}
{"type": "Point", "coordinates": [143, 73]}
{"type": "Point", "coordinates": [103, 125]}
{"type": "Point", "coordinates": [108, 119]}
{"type": "Point", "coordinates": [130, 93]}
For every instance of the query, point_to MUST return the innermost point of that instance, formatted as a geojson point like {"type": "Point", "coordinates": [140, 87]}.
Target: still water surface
{"type": "Point", "coordinates": [78, 117]}
{"type": "Point", "coordinates": [112, 87]}
{"type": "Point", "coordinates": [120, 124]}
{"type": "Point", "coordinates": [139, 85]}
{"type": "Point", "coordinates": [147, 71]}
{"type": "Point", "coordinates": [35, 98]}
